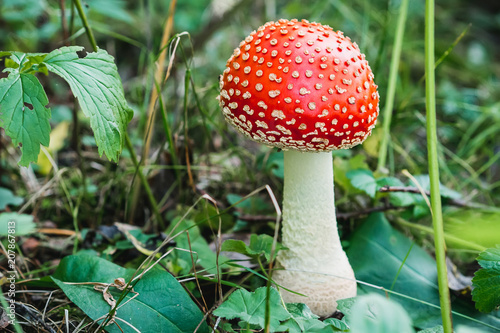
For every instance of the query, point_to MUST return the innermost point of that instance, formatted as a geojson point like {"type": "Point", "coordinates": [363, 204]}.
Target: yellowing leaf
{"type": "Point", "coordinates": [57, 137]}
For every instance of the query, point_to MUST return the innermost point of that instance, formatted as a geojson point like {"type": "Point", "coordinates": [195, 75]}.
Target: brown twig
{"type": "Point", "coordinates": [409, 189]}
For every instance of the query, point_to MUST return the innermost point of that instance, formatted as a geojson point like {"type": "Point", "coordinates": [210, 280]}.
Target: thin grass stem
{"type": "Point", "coordinates": [391, 88]}
{"type": "Point", "coordinates": [432, 145]}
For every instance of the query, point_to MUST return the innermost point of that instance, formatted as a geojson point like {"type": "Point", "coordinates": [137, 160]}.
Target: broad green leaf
{"type": "Point", "coordinates": [342, 166]}
{"type": "Point", "coordinates": [338, 325]}
{"type": "Point", "coordinates": [376, 314]}
{"type": "Point", "coordinates": [22, 224]}
{"type": "Point", "coordinates": [486, 281]}
{"type": "Point", "coordinates": [160, 304]}
{"type": "Point", "coordinates": [250, 307]}
{"type": "Point", "coordinates": [363, 180]}
{"type": "Point", "coordinates": [259, 245]}
{"type": "Point", "coordinates": [303, 320]}
{"type": "Point", "coordinates": [376, 254]}
{"type": "Point", "coordinates": [95, 82]}
{"type": "Point", "coordinates": [8, 198]}
{"type": "Point", "coordinates": [23, 113]}
{"type": "Point", "coordinates": [345, 305]}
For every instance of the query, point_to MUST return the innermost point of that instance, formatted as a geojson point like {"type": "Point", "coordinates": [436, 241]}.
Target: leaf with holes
{"type": "Point", "coordinates": [95, 82]}
{"type": "Point", "coordinates": [23, 111]}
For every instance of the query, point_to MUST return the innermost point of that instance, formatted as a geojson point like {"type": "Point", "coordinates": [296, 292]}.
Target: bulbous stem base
{"type": "Point", "coordinates": [314, 264]}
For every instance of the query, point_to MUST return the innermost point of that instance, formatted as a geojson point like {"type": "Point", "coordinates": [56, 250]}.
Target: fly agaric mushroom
{"type": "Point", "coordinates": [308, 90]}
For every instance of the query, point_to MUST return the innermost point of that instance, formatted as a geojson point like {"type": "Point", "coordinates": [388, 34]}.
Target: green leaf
{"type": "Point", "coordinates": [376, 314]}
{"type": "Point", "coordinates": [399, 199]}
{"type": "Point", "coordinates": [23, 114]}
{"type": "Point", "coordinates": [8, 198]}
{"type": "Point", "coordinates": [363, 180]}
{"type": "Point", "coordinates": [161, 304]}
{"type": "Point", "coordinates": [345, 305]}
{"type": "Point", "coordinates": [23, 224]}
{"type": "Point", "coordinates": [95, 82]}
{"type": "Point", "coordinates": [486, 281]}
{"type": "Point", "coordinates": [28, 63]}
{"type": "Point", "coordinates": [342, 166]}
{"type": "Point", "coordinates": [338, 325]}
{"type": "Point", "coordinates": [259, 245]}
{"type": "Point", "coordinates": [250, 307]}
{"type": "Point", "coordinates": [303, 320]}
{"type": "Point", "coordinates": [377, 253]}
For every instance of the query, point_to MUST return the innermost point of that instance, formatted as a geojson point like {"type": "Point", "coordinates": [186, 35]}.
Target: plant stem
{"type": "Point", "coordinates": [158, 79]}
{"type": "Point", "coordinates": [432, 143]}
{"type": "Point", "coordinates": [391, 88]}
{"type": "Point", "coordinates": [85, 23]}
{"type": "Point", "coordinates": [144, 182]}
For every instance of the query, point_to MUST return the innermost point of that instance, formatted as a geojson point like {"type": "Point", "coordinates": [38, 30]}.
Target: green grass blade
{"type": "Point", "coordinates": [391, 89]}
{"type": "Point", "coordinates": [432, 145]}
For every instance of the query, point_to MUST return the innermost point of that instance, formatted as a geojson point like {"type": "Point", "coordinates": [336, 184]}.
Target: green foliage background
{"type": "Point", "coordinates": [194, 152]}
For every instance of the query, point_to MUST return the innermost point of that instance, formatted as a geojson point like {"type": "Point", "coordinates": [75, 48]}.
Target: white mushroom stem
{"type": "Point", "coordinates": [315, 263]}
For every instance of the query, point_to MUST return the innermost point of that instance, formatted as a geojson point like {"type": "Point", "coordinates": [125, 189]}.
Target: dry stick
{"type": "Point", "coordinates": [158, 79]}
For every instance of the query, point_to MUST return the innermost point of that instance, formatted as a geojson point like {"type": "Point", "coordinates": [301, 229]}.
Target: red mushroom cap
{"type": "Point", "coordinates": [300, 85]}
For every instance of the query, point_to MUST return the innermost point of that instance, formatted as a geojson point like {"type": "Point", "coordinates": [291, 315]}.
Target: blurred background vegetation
{"type": "Point", "coordinates": [193, 151]}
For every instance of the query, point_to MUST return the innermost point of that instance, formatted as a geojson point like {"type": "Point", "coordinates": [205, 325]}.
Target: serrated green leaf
{"type": "Point", "coordinates": [250, 307]}
{"type": "Point", "coordinates": [95, 82]}
{"type": "Point", "coordinates": [486, 281]}
{"type": "Point", "coordinates": [376, 314]}
{"type": "Point", "coordinates": [161, 304]}
{"type": "Point", "coordinates": [259, 245]}
{"type": "Point", "coordinates": [28, 63]}
{"type": "Point", "coordinates": [338, 325]}
{"type": "Point", "coordinates": [303, 320]}
{"type": "Point", "coordinates": [23, 113]}
{"type": "Point", "coordinates": [362, 179]}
